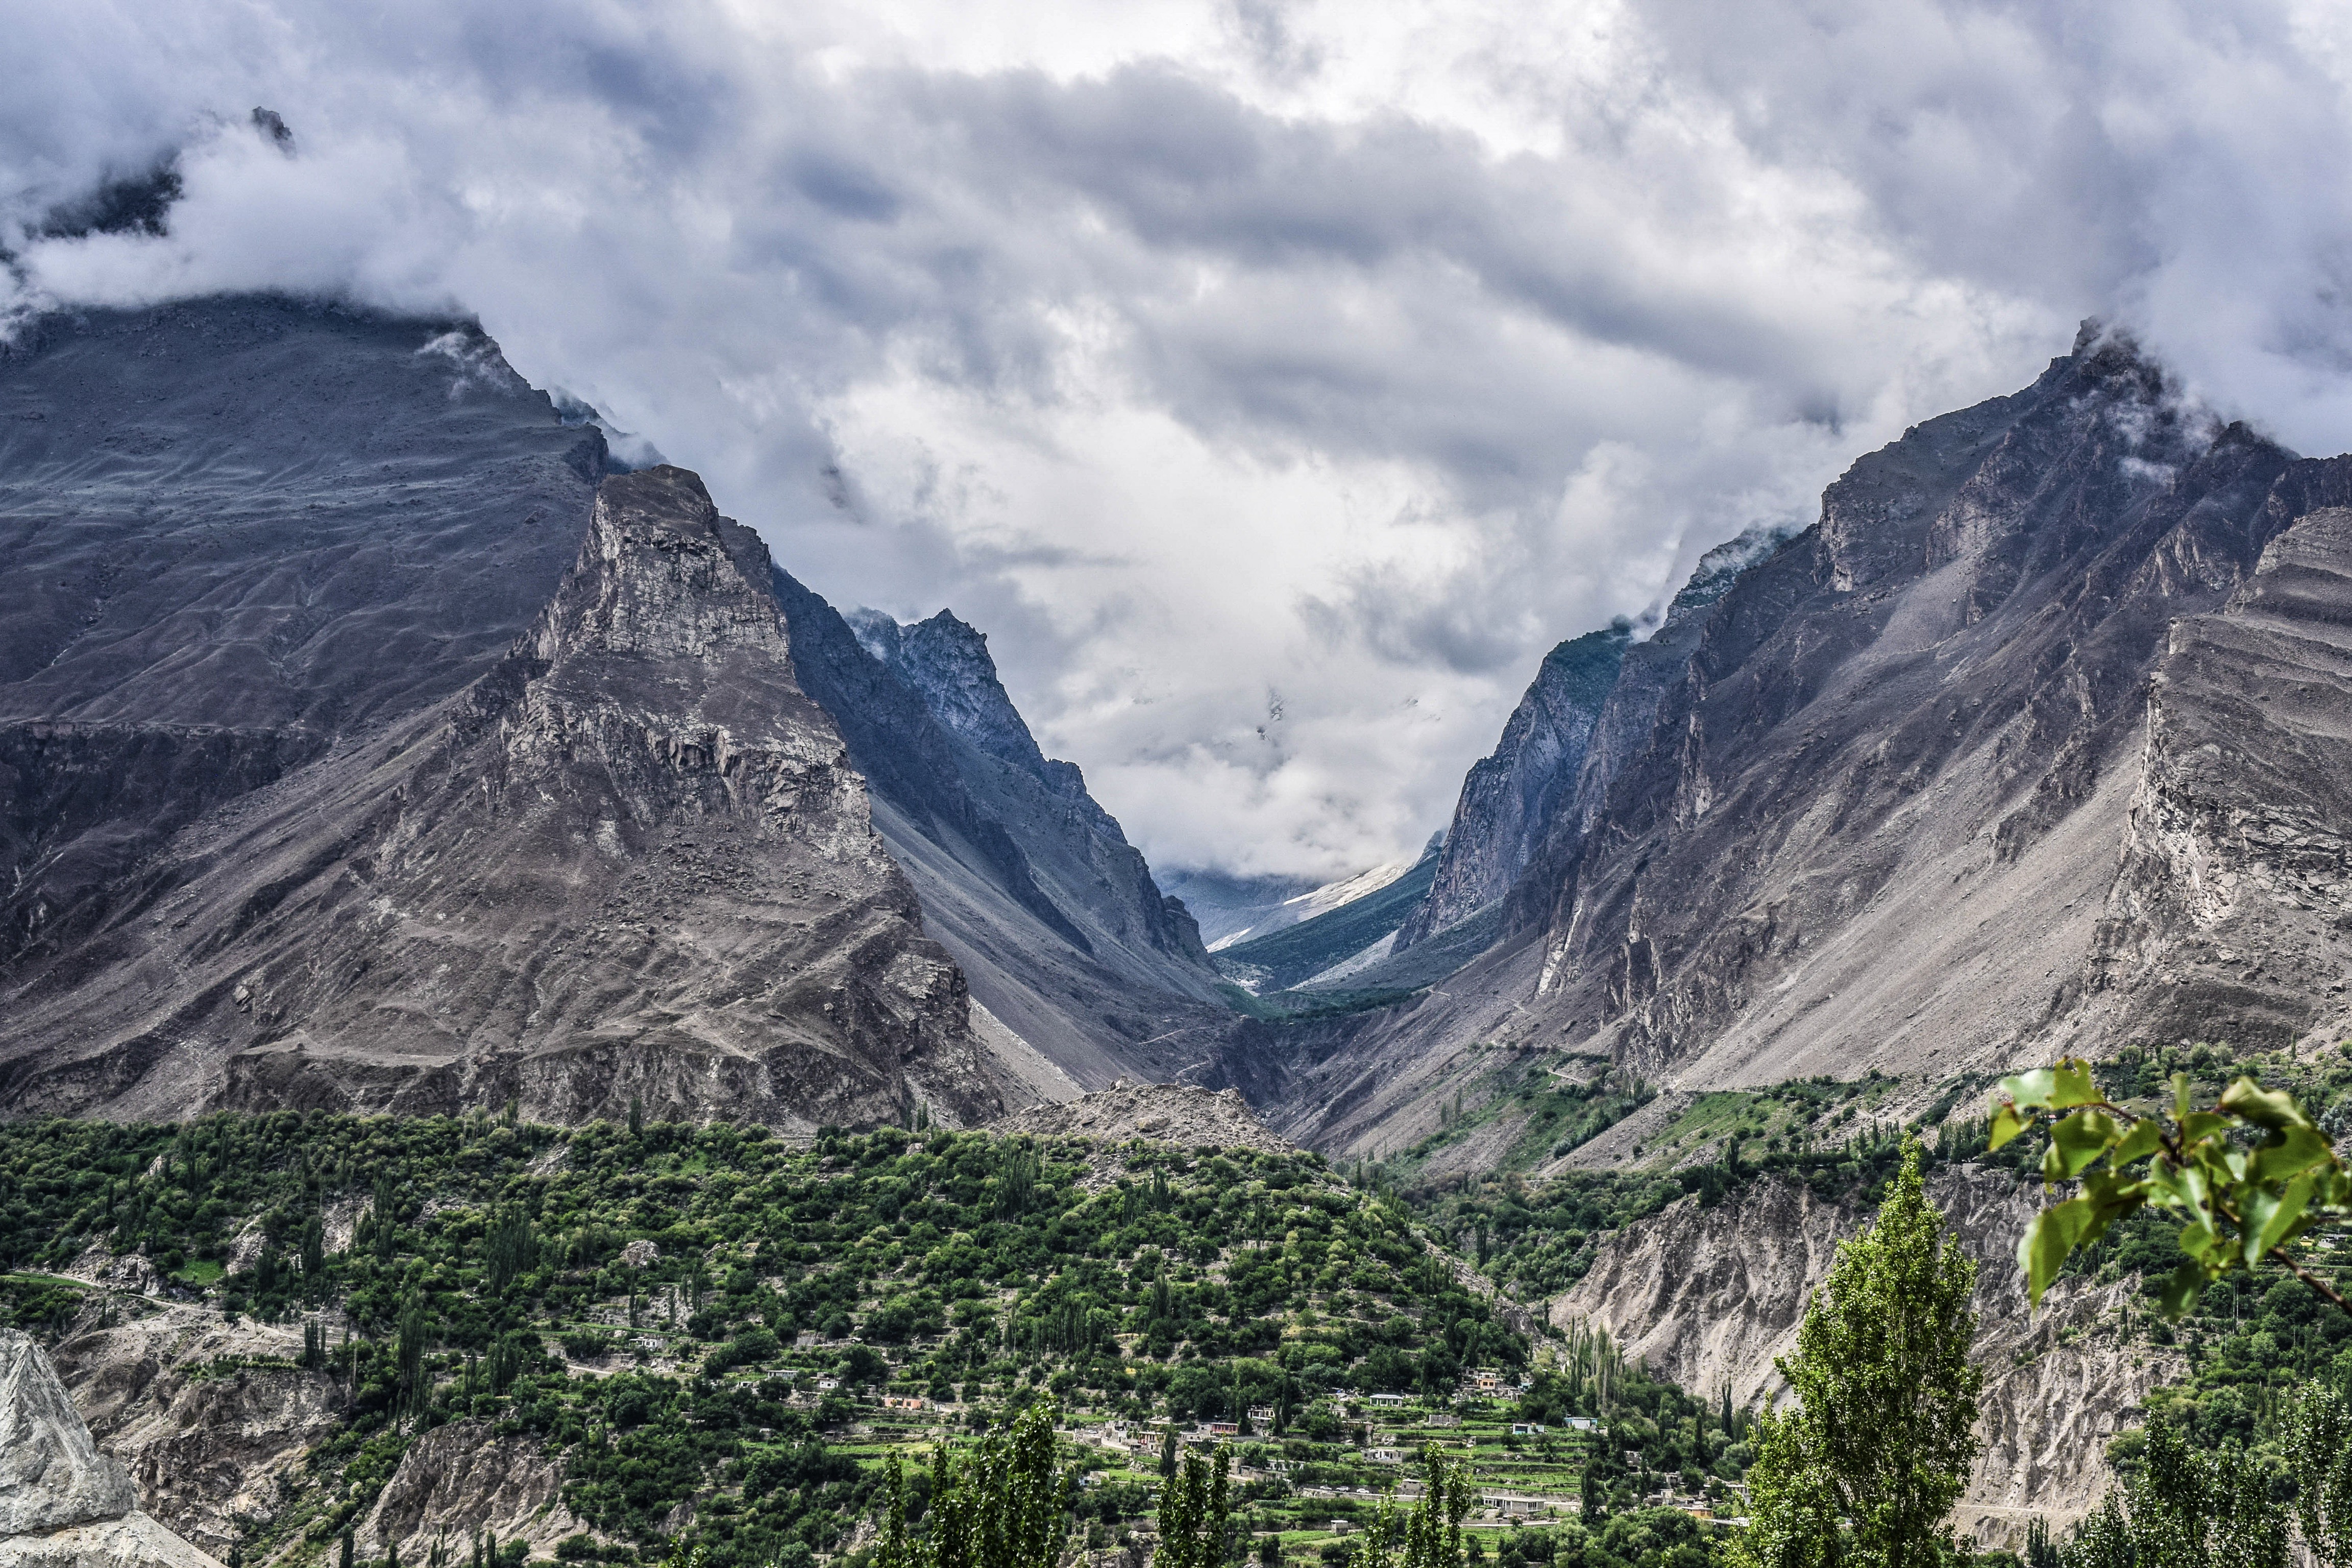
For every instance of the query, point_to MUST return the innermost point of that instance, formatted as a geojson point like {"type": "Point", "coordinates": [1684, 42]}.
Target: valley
{"type": "Point", "coordinates": [531, 1036]}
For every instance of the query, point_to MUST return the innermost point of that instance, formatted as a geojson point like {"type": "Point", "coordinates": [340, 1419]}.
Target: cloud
{"type": "Point", "coordinates": [1220, 356]}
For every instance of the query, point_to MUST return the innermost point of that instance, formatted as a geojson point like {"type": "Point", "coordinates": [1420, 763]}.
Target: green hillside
{"type": "Point", "coordinates": [661, 1309]}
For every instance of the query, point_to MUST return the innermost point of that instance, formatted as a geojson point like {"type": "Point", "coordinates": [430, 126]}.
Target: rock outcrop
{"type": "Point", "coordinates": [1153, 1112]}
{"type": "Point", "coordinates": [211, 1452]}
{"type": "Point", "coordinates": [632, 859]}
{"type": "Point", "coordinates": [1069, 947]}
{"type": "Point", "coordinates": [1709, 1297]}
{"type": "Point", "coordinates": [63, 1504]}
{"type": "Point", "coordinates": [1510, 799]}
{"type": "Point", "coordinates": [456, 1481]}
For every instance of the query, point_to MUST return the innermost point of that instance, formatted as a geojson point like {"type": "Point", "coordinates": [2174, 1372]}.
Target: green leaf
{"type": "Point", "coordinates": [2079, 1139]}
{"type": "Point", "coordinates": [2297, 1151]}
{"type": "Point", "coordinates": [2181, 1291]}
{"type": "Point", "coordinates": [2030, 1090]}
{"type": "Point", "coordinates": [2006, 1124]}
{"type": "Point", "coordinates": [2115, 1195]}
{"type": "Point", "coordinates": [2146, 1137]}
{"type": "Point", "coordinates": [2197, 1125]}
{"type": "Point", "coordinates": [2053, 1234]}
{"type": "Point", "coordinates": [2072, 1085]}
{"type": "Point", "coordinates": [2270, 1216]}
{"type": "Point", "coordinates": [2274, 1109]}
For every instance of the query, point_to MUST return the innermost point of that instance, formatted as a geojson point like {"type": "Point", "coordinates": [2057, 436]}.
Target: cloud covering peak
{"type": "Point", "coordinates": [1273, 382]}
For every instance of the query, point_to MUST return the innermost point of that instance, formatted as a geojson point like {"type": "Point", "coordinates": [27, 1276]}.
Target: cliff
{"type": "Point", "coordinates": [2033, 744]}
{"type": "Point", "coordinates": [1510, 798]}
{"type": "Point", "coordinates": [1075, 957]}
{"type": "Point", "coordinates": [631, 861]}
{"type": "Point", "coordinates": [1709, 1297]}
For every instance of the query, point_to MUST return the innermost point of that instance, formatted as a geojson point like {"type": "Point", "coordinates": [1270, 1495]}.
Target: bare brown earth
{"type": "Point", "coordinates": [1155, 1112]}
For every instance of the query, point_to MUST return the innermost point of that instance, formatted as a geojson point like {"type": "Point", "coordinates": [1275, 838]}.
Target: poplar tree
{"type": "Point", "coordinates": [1863, 1472]}
{"type": "Point", "coordinates": [1005, 1505]}
{"type": "Point", "coordinates": [2185, 1510]}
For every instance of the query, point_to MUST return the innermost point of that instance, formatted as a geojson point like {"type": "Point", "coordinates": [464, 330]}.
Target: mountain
{"type": "Point", "coordinates": [1084, 972]}
{"type": "Point", "coordinates": [2033, 742]}
{"type": "Point", "coordinates": [1230, 907]}
{"type": "Point", "coordinates": [1511, 797]}
{"type": "Point", "coordinates": [240, 531]}
{"type": "Point", "coordinates": [372, 738]}
{"type": "Point", "coordinates": [630, 861]}
{"type": "Point", "coordinates": [1354, 929]}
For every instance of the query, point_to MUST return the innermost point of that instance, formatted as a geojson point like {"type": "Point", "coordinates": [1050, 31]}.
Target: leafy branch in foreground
{"type": "Point", "coordinates": [2248, 1174]}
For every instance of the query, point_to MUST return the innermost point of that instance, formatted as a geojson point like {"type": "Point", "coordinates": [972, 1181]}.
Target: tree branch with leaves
{"type": "Point", "coordinates": [2249, 1175]}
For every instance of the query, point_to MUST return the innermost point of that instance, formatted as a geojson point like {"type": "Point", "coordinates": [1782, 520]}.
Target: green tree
{"type": "Point", "coordinates": [896, 1549]}
{"type": "Point", "coordinates": [2184, 1509]}
{"type": "Point", "coordinates": [1006, 1506]}
{"type": "Point", "coordinates": [415, 1387]}
{"type": "Point", "coordinates": [1194, 1514]}
{"type": "Point", "coordinates": [510, 1249]}
{"type": "Point", "coordinates": [2316, 1437]}
{"type": "Point", "coordinates": [1432, 1530]}
{"type": "Point", "coordinates": [1862, 1473]}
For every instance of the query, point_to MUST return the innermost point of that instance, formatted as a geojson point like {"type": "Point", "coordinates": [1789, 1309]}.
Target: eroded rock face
{"type": "Point", "coordinates": [1709, 1297]}
{"type": "Point", "coordinates": [51, 1473]}
{"type": "Point", "coordinates": [458, 1480]}
{"type": "Point", "coordinates": [64, 1504]}
{"type": "Point", "coordinates": [1054, 919]}
{"type": "Point", "coordinates": [210, 1454]}
{"type": "Point", "coordinates": [631, 861]}
{"type": "Point", "coordinates": [2032, 744]}
{"type": "Point", "coordinates": [134, 1540]}
{"type": "Point", "coordinates": [1510, 799]}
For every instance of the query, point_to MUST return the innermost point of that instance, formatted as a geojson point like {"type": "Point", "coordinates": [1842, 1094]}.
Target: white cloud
{"type": "Point", "coordinates": [1219, 358]}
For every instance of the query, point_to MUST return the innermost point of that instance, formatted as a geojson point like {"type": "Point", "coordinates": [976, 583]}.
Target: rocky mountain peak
{"type": "Point", "coordinates": [946, 661]}
{"type": "Point", "coordinates": [656, 579]}
{"type": "Point", "coordinates": [1511, 798]}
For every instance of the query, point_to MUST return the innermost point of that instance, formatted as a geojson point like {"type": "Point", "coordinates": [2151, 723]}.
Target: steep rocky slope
{"type": "Point", "coordinates": [64, 1503]}
{"type": "Point", "coordinates": [1708, 1297]}
{"type": "Point", "coordinates": [2032, 742]}
{"type": "Point", "coordinates": [238, 529]}
{"type": "Point", "coordinates": [631, 861]}
{"type": "Point", "coordinates": [1075, 957]}
{"type": "Point", "coordinates": [209, 1452]}
{"type": "Point", "coordinates": [1510, 798]}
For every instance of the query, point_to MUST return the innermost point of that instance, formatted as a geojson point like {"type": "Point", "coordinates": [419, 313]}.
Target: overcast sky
{"type": "Point", "coordinates": [1273, 383]}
